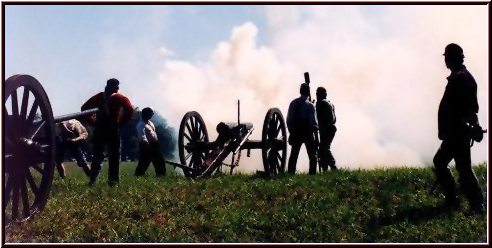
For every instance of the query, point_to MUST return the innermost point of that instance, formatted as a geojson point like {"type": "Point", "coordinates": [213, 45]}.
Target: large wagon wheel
{"type": "Point", "coordinates": [274, 139]}
{"type": "Point", "coordinates": [29, 148]}
{"type": "Point", "coordinates": [192, 131]}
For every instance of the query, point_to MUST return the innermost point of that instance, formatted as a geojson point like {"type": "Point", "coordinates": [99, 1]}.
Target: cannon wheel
{"type": "Point", "coordinates": [274, 139]}
{"type": "Point", "coordinates": [191, 130]}
{"type": "Point", "coordinates": [29, 147]}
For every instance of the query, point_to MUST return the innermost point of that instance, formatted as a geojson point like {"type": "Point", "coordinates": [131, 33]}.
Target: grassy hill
{"type": "Point", "coordinates": [357, 206]}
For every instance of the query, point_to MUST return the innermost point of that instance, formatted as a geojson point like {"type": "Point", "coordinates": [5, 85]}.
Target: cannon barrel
{"type": "Point", "coordinates": [61, 118]}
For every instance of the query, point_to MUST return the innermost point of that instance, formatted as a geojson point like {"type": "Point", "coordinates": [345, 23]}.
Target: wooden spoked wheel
{"type": "Point", "coordinates": [274, 142]}
{"type": "Point", "coordinates": [192, 140]}
{"type": "Point", "coordinates": [29, 146]}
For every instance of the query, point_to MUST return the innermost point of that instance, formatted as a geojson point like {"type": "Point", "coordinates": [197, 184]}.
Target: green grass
{"type": "Point", "coordinates": [358, 206]}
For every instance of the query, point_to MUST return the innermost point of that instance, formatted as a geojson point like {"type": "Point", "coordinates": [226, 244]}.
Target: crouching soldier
{"type": "Point", "coordinates": [72, 135]}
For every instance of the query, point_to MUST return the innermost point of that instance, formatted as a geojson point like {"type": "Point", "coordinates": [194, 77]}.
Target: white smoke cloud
{"type": "Point", "coordinates": [384, 72]}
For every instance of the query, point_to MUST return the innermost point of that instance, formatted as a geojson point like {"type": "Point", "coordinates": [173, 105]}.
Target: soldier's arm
{"type": "Point", "coordinates": [91, 103]}
{"type": "Point", "coordinates": [470, 103]}
{"type": "Point", "coordinates": [290, 116]}
{"type": "Point", "coordinates": [83, 134]}
{"type": "Point", "coordinates": [127, 109]}
{"type": "Point", "coordinates": [312, 117]}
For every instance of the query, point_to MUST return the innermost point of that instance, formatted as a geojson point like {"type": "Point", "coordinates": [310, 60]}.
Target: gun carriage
{"type": "Point", "coordinates": [201, 158]}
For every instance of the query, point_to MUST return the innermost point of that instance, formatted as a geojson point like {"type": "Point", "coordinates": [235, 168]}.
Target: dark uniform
{"type": "Point", "coordinates": [326, 121]}
{"type": "Point", "coordinates": [302, 125]}
{"type": "Point", "coordinates": [457, 112]}
{"type": "Point", "coordinates": [114, 109]}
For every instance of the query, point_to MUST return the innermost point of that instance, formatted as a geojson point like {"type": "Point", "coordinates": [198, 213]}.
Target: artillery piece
{"type": "Point", "coordinates": [201, 158]}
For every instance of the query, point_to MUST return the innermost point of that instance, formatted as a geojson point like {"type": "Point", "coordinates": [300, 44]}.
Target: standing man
{"type": "Point", "coordinates": [303, 128]}
{"type": "Point", "coordinates": [326, 118]}
{"type": "Point", "coordinates": [149, 146]}
{"type": "Point", "coordinates": [456, 117]}
{"type": "Point", "coordinates": [114, 110]}
{"type": "Point", "coordinates": [72, 135]}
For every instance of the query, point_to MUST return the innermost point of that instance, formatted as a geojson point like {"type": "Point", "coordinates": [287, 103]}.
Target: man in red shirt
{"type": "Point", "coordinates": [115, 109]}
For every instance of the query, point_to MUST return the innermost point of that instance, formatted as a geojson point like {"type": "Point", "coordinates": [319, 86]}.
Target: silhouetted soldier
{"type": "Point", "coordinates": [149, 146]}
{"type": "Point", "coordinates": [114, 110]}
{"type": "Point", "coordinates": [457, 114]}
{"type": "Point", "coordinates": [72, 135]}
{"type": "Point", "coordinates": [303, 128]}
{"type": "Point", "coordinates": [326, 121]}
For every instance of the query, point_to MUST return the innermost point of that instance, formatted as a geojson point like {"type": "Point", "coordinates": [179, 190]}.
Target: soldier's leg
{"type": "Point", "coordinates": [323, 154]}
{"type": "Point", "coordinates": [158, 161]}
{"type": "Point", "coordinates": [313, 156]}
{"type": "Point", "coordinates": [60, 153]}
{"type": "Point", "coordinates": [143, 160]}
{"type": "Point", "coordinates": [330, 158]}
{"type": "Point", "coordinates": [294, 153]}
{"type": "Point", "coordinates": [467, 179]}
{"type": "Point", "coordinates": [76, 152]}
{"type": "Point", "coordinates": [97, 159]}
{"type": "Point", "coordinates": [114, 159]}
{"type": "Point", "coordinates": [443, 174]}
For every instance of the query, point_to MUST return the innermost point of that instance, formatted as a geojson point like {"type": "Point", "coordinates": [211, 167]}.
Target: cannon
{"type": "Point", "coordinates": [28, 147]}
{"type": "Point", "coordinates": [201, 158]}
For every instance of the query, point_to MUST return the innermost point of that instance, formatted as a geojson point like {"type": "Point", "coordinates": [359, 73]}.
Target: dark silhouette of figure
{"type": "Point", "coordinates": [456, 117]}
{"type": "Point", "coordinates": [326, 121]}
{"type": "Point", "coordinates": [303, 128]}
{"type": "Point", "coordinates": [72, 135]}
{"type": "Point", "coordinates": [114, 110]}
{"type": "Point", "coordinates": [149, 146]}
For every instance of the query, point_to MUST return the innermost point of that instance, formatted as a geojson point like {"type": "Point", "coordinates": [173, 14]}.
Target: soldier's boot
{"type": "Point", "coordinates": [94, 173]}
{"type": "Point", "coordinates": [61, 170]}
{"type": "Point", "coordinates": [446, 180]}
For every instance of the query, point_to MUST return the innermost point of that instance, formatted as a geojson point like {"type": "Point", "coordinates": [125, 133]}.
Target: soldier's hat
{"type": "Point", "coordinates": [113, 82]}
{"type": "Point", "coordinates": [321, 90]}
{"type": "Point", "coordinates": [453, 50]}
{"type": "Point", "coordinates": [147, 112]}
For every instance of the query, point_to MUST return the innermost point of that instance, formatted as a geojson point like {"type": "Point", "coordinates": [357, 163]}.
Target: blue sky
{"type": "Point", "coordinates": [66, 43]}
{"type": "Point", "coordinates": [382, 65]}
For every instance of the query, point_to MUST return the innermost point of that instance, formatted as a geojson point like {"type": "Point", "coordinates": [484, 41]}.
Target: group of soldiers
{"type": "Point", "coordinates": [457, 123]}
{"type": "Point", "coordinates": [304, 122]}
{"type": "Point", "coordinates": [458, 128]}
{"type": "Point", "coordinates": [114, 110]}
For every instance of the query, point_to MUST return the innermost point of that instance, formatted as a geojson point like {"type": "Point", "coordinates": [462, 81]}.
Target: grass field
{"type": "Point", "coordinates": [356, 206]}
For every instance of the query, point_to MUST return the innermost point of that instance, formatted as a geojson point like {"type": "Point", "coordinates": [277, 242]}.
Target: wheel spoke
{"type": "Point", "coordinates": [31, 182]}
{"type": "Point", "coordinates": [10, 131]}
{"type": "Point", "coordinates": [25, 101]}
{"type": "Point", "coordinates": [192, 128]}
{"type": "Point", "coordinates": [8, 191]}
{"type": "Point", "coordinates": [195, 127]}
{"type": "Point", "coordinates": [189, 128]}
{"type": "Point", "coordinates": [25, 198]}
{"type": "Point", "coordinates": [32, 113]}
{"type": "Point", "coordinates": [15, 106]}
{"type": "Point", "coordinates": [40, 125]}
{"type": "Point", "coordinates": [277, 131]}
{"type": "Point", "coordinates": [200, 132]}
{"type": "Point", "coordinates": [187, 136]}
{"type": "Point", "coordinates": [188, 156]}
{"type": "Point", "coordinates": [15, 200]}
